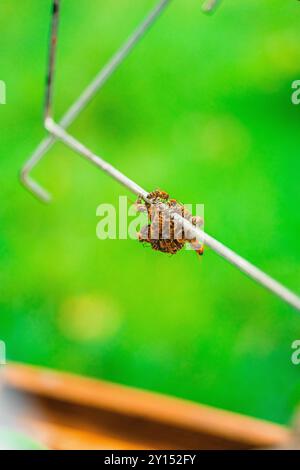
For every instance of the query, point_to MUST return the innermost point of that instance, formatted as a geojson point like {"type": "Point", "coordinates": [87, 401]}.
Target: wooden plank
{"type": "Point", "coordinates": [96, 413]}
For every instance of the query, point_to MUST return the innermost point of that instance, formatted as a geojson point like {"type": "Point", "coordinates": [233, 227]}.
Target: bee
{"type": "Point", "coordinates": [163, 232]}
{"type": "Point", "coordinates": [158, 195]}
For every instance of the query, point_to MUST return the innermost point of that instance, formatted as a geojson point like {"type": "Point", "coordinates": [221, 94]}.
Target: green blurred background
{"type": "Point", "coordinates": [201, 109]}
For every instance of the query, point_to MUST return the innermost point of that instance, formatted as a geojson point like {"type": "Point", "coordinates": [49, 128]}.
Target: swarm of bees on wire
{"type": "Point", "coordinates": [162, 231]}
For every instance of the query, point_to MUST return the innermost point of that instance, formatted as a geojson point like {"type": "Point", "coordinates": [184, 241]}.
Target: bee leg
{"type": "Point", "coordinates": [198, 221]}
{"type": "Point", "coordinates": [173, 202]}
{"type": "Point", "coordinates": [140, 206]}
{"type": "Point", "coordinates": [197, 246]}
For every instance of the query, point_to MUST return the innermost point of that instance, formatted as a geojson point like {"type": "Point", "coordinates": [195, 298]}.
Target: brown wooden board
{"type": "Point", "coordinates": [64, 411]}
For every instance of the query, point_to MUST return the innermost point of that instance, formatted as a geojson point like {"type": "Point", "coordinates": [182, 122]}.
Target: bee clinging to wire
{"type": "Point", "coordinates": [163, 231]}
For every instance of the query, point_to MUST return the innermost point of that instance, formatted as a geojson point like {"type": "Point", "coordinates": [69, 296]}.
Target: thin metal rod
{"type": "Point", "coordinates": [87, 95]}
{"type": "Point", "coordinates": [52, 58]}
{"type": "Point", "coordinates": [210, 5]}
{"type": "Point", "coordinates": [253, 272]}
{"type": "Point", "coordinates": [243, 265]}
{"type": "Point", "coordinates": [78, 147]}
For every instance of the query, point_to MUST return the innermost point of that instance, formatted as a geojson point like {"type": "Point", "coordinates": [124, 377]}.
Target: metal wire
{"type": "Point", "coordinates": [57, 131]}
{"type": "Point", "coordinates": [87, 95]}
{"type": "Point", "coordinates": [210, 5]}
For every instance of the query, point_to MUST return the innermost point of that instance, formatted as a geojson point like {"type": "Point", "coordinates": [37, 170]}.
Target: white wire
{"type": "Point", "coordinates": [86, 96]}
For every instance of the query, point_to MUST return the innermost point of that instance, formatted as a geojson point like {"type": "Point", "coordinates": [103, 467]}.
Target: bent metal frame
{"type": "Point", "coordinates": [57, 131]}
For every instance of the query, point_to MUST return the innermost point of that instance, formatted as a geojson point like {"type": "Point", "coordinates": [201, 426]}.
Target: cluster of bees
{"type": "Point", "coordinates": [163, 231]}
